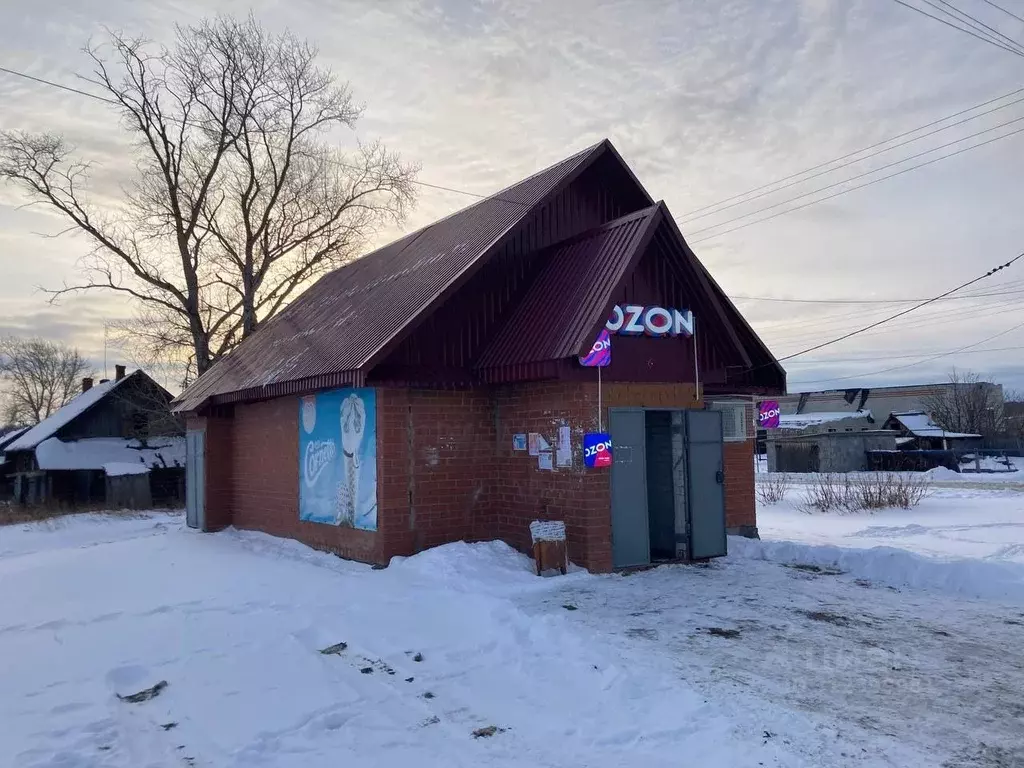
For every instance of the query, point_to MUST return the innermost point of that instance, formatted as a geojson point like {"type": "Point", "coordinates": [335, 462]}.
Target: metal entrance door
{"type": "Point", "coordinates": [630, 534]}
{"type": "Point", "coordinates": [195, 479]}
{"type": "Point", "coordinates": [705, 468]}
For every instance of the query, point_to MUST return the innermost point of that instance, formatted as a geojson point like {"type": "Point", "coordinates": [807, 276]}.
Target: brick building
{"type": "Point", "coordinates": [434, 391]}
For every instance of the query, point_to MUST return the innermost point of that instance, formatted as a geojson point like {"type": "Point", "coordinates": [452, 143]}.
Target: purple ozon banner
{"type": "Point", "coordinates": [600, 355]}
{"type": "Point", "coordinates": [768, 414]}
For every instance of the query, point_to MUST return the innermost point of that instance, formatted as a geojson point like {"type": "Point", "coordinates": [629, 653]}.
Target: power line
{"type": "Point", "coordinates": [957, 26]}
{"type": "Point", "coordinates": [57, 85]}
{"type": "Point", "coordinates": [861, 175]}
{"type": "Point", "coordinates": [856, 152]}
{"type": "Point", "coordinates": [1008, 13]}
{"type": "Point", "coordinates": [97, 97]}
{"type": "Point", "coordinates": [937, 313]}
{"type": "Point", "coordinates": [915, 363]}
{"type": "Point", "coordinates": [869, 301]}
{"type": "Point", "coordinates": [851, 189]}
{"type": "Point", "coordinates": [977, 23]}
{"type": "Point", "coordinates": [688, 219]}
{"type": "Point", "coordinates": [903, 327]}
{"type": "Point", "coordinates": [831, 360]}
{"type": "Point", "coordinates": [905, 311]}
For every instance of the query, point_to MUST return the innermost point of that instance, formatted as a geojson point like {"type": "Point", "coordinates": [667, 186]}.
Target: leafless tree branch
{"type": "Point", "coordinates": [239, 200]}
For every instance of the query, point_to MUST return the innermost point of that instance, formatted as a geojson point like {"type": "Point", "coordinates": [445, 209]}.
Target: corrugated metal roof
{"type": "Point", "coordinates": [571, 292]}
{"type": "Point", "coordinates": [335, 329]}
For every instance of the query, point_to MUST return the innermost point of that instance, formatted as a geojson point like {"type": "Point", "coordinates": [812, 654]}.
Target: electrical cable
{"type": "Point", "coordinates": [861, 175]}
{"type": "Point", "coordinates": [851, 189]}
{"type": "Point", "coordinates": [856, 152]}
{"type": "Point", "coordinates": [1008, 13]}
{"type": "Point", "coordinates": [687, 220]}
{"type": "Point", "coordinates": [916, 363]}
{"type": "Point", "coordinates": [867, 301]}
{"type": "Point", "coordinates": [957, 26]}
{"type": "Point", "coordinates": [905, 311]}
{"type": "Point", "coordinates": [831, 360]}
{"type": "Point", "coordinates": [977, 24]}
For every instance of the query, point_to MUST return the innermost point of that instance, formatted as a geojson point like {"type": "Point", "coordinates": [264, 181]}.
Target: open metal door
{"type": "Point", "coordinates": [705, 468]}
{"type": "Point", "coordinates": [195, 479]}
{"type": "Point", "coordinates": [630, 530]}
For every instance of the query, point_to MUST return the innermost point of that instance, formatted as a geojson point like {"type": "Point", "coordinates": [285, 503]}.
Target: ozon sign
{"type": "Point", "coordinates": [635, 320]}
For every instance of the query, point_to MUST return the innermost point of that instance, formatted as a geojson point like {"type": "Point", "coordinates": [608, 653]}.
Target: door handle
{"type": "Point", "coordinates": [719, 477]}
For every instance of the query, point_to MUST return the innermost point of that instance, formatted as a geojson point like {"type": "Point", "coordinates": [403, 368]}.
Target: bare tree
{"type": "Point", "coordinates": [1013, 413]}
{"type": "Point", "coordinates": [239, 199]}
{"type": "Point", "coordinates": [968, 405]}
{"type": "Point", "coordinates": [38, 377]}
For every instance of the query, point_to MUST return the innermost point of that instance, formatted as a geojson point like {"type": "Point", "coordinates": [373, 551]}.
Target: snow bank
{"type": "Point", "coordinates": [895, 567]}
{"type": "Point", "coordinates": [83, 531]}
{"type": "Point", "coordinates": [491, 567]}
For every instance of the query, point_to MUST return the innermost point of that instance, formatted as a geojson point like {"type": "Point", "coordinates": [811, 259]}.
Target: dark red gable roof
{"type": "Point", "coordinates": [572, 292]}
{"type": "Point", "coordinates": [329, 335]}
{"type": "Point", "coordinates": [354, 319]}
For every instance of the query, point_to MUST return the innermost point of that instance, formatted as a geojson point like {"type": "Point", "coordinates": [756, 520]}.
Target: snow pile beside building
{"type": "Point", "coordinates": [489, 566]}
{"type": "Point", "coordinates": [97, 452]}
{"type": "Point", "coordinates": [895, 567]}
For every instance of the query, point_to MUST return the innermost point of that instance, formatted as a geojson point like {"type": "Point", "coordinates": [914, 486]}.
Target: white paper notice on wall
{"type": "Point", "coordinates": [544, 460]}
{"type": "Point", "coordinates": [563, 456]}
{"type": "Point", "coordinates": [547, 530]}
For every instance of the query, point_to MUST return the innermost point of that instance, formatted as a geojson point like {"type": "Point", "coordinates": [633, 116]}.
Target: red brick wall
{"type": "Point", "coordinates": [580, 497]}
{"type": "Point", "coordinates": [217, 468]}
{"type": "Point", "coordinates": [438, 465]}
{"type": "Point", "coordinates": [446, 469]}
{"type": "Point", "coordinates": [265, 487]}
{"type": "Point", "coordinates": [740, 506]}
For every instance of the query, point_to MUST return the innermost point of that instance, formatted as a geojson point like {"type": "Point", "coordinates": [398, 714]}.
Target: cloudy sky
{"type": "Point", "coordinates": [705, 100]}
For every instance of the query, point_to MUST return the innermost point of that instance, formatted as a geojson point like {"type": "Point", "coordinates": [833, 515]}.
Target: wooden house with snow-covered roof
{"type": "Point", "coordinates": [116, 443]}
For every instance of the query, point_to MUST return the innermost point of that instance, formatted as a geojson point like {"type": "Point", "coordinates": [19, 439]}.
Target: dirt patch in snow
{"type": "Point", "coordinates": [828, 617]}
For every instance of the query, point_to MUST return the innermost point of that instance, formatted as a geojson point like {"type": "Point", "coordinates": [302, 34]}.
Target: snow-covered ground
{"type": "Point", "coordinates": [982, 523]}
{"type": "Point", "coordinates": [743, 662]}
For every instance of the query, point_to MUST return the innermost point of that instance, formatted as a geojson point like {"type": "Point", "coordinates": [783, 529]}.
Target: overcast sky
{"type": "Point", "coordinates": [705, 100]}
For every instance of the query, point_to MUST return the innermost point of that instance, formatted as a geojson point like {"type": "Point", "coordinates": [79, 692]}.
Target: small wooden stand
{"type": "Point", "coordinates": [549, 551]}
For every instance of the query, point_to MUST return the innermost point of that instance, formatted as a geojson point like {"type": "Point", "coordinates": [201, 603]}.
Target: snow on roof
{"type": "Point", "coordinates": [119, 468]}
{"type": "Point", "coordinates": [97, 452]}
{"type": "Point", "coordinates": [801, 420]}
{"type": "Point", "coordinates": [919, 425]}
{"type": "Point", "coordinates": [9, 437]}
{"type": "Point", "coordinates": [59, 418]}
{"type": "Point", "coordinates": [11, 434]}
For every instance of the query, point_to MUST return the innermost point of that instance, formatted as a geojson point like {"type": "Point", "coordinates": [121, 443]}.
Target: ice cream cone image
{"type": "Point", "coordinates": [353, 426]}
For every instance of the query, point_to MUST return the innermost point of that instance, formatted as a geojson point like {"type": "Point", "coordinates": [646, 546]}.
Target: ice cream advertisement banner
{"type": "Point", "coordinates": [768, 414]}
{"type": "Point", "coordinates": [338, 458]}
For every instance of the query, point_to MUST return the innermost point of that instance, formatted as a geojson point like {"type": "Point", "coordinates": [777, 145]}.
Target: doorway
{"type": "Point", "coordinates": [195, 479]}
{"type": "Point", "coordinates": [667, 492]}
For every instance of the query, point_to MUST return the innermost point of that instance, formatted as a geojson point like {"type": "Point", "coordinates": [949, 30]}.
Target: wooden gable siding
{"type": "Point", "coordinates": [137, 408]}
{"type": "Point", "coordinates": [445, 346]}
